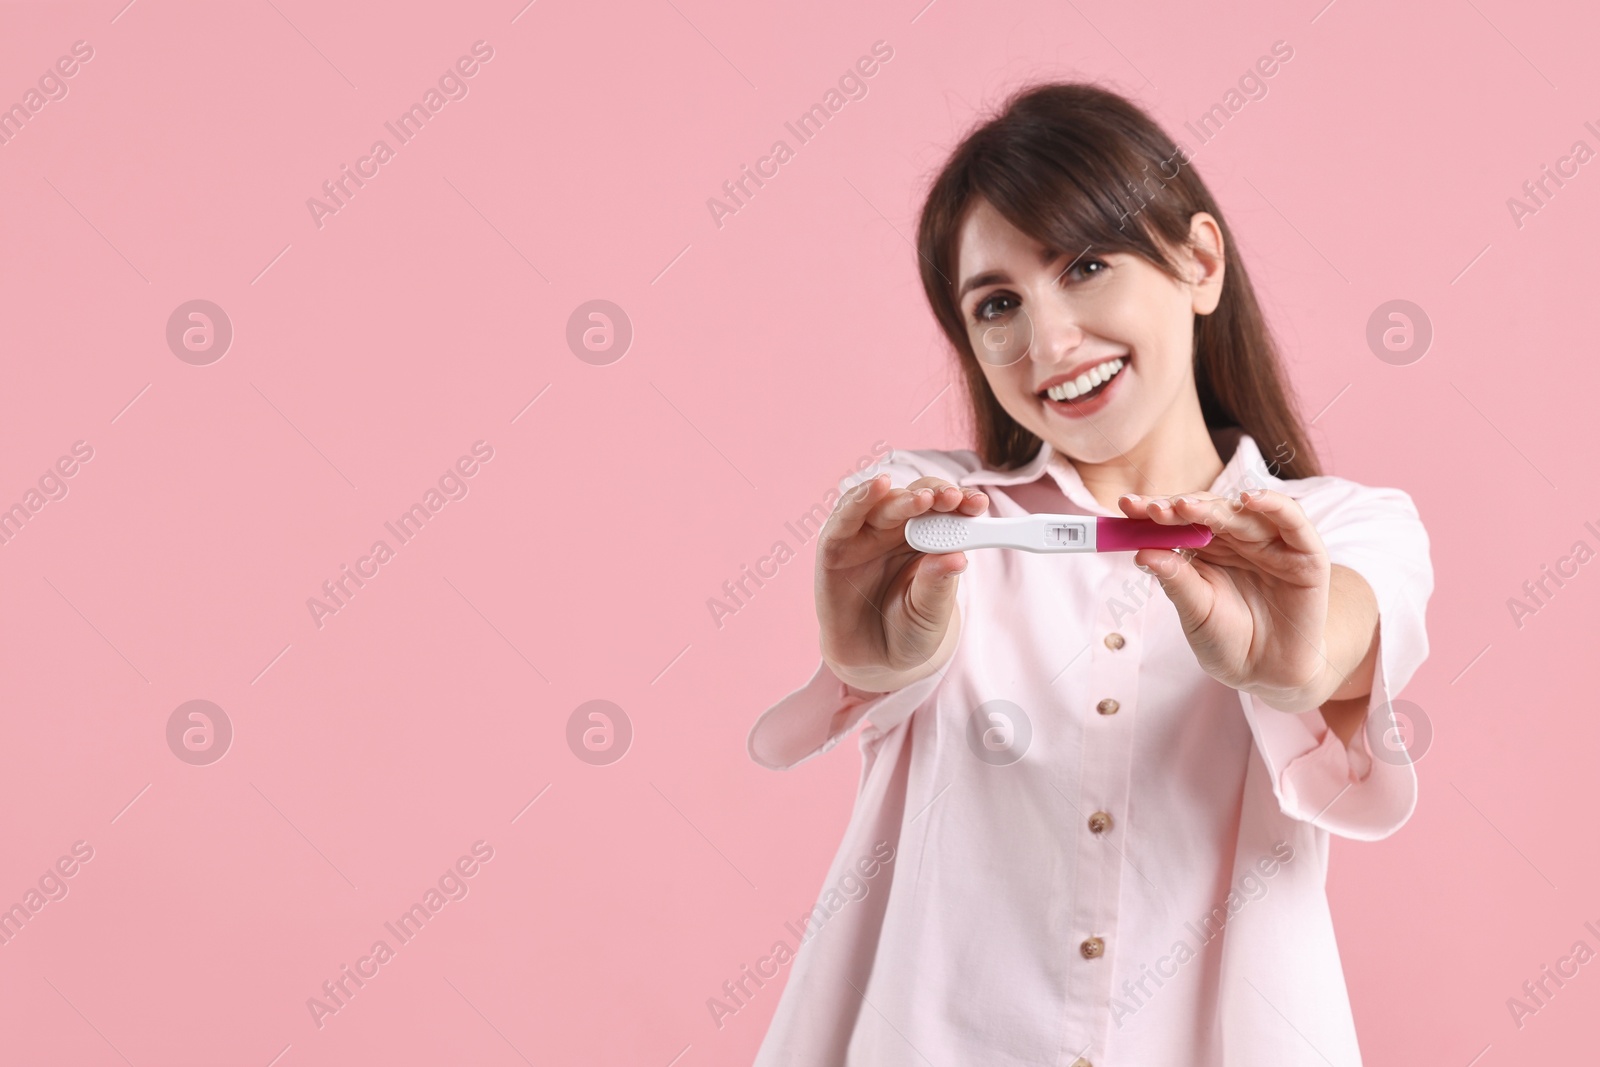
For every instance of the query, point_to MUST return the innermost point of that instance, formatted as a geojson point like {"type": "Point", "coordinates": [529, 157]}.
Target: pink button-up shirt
{"type": "Point", "coordinates": [1097, 854]}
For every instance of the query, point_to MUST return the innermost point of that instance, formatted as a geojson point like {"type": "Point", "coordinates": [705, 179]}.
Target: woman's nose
{"type": "Point", "coordinates": [1056, 332]}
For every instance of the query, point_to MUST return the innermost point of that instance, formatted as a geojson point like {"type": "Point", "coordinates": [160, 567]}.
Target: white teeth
{"type": "Point", "coordinates": [1097, 375]}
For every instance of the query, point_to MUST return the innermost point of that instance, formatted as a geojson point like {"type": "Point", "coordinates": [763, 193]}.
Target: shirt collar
{"type": "Point", "coordinates": [1244, 469]}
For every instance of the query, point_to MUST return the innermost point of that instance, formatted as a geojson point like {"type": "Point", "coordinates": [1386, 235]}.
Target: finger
{"type": "Point", "coordinates": [943, 494]}
{"type": "Point", "coordinates": [923, 495]}
{"type": "Point", "coordinates": [851, 512]}
{"type": "Point", "coordinates": [1156, 508]}
{"type": "Point", "coordinates": [957, 498]}
{"type": "Point", "coordinates": [1188, 590]}
{"type": "Point", "coordinates": [898, 505]}
{"type": "Point", "coordinates": [1224, 516]}
{"type": "Point", "coordinates": [1289, 518]}
{"type": "Point", "coordinates": [932, 591]}
{"type": "Point", "coordinates": [947, 496]}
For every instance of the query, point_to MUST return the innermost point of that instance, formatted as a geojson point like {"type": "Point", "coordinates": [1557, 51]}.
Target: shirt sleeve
{"type": "Point", "coordinates": [817, 716]}
{"type": "Point", "coordinates": [1365, 790]}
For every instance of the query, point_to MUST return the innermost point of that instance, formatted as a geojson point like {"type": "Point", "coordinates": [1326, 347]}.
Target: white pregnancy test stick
{"type": "Point", "coordinates": [1049, 533]}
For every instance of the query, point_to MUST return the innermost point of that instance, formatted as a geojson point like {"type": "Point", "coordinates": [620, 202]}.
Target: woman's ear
{"type": "Point", "coordinates": [1206, 261]}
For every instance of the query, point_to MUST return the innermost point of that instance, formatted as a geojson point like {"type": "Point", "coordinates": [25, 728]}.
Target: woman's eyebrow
{"type": "Point", "coordinates": [987, 278]}
{"type": "Point", "coordinates": [1047, 256]}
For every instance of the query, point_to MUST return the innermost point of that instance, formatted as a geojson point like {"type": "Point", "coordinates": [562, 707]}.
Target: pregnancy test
{"type": "Point", "coordinates": [1050, 533]}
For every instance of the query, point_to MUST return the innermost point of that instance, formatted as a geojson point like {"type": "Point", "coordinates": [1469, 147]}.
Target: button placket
{"type": "Point", "coordinates": [1102, 791]}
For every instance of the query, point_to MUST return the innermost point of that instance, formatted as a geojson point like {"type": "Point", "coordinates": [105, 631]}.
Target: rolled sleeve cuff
{"type": "Point", "coordinates": [817, 716]}
{"type": "Point", "coordinates": [1365, 790]}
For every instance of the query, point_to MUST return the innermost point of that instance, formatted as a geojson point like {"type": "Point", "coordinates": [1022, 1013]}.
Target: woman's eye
{"type": "Point", "coordinates": [998, 304]}
{"type": "Point", "coordinates": [993, 307]}
{"type": "Point", "coordinates": [1082, 268]}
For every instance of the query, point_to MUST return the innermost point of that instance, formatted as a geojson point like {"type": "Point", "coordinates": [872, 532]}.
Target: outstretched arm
{"type": "Point", "coordinates": [1264, 609]}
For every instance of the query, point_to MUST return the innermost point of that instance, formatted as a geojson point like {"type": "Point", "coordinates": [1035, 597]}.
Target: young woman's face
{"type": "Point", "coordinates": [1089, 352]}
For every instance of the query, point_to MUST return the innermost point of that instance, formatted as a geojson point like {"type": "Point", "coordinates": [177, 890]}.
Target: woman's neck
{"type": "Point", "coordinates": [1179, 455]}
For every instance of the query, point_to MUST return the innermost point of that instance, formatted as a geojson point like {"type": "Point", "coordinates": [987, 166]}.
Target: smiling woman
{"type": "Point", "coordinates": [1146, 758]}
{"type": "Point", "coordinates": [1092, 273]}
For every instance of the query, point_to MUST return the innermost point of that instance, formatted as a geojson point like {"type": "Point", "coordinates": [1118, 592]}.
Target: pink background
{"type": "Point", "coordinates": [768, 355]}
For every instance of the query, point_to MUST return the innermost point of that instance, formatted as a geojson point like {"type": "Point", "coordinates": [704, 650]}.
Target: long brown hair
{"type": "Point", "coordinates": [1071, 165]}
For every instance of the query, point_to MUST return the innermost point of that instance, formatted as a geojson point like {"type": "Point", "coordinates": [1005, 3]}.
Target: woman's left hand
{"type": "Point", "coordinates": [1254, 601]}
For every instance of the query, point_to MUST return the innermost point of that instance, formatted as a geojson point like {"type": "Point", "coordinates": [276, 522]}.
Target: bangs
{"type": "Point", "coordinates": [1074, 196]}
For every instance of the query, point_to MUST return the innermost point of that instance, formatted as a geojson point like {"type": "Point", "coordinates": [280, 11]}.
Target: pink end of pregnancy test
{"type": "Point", "coordinates": [1049, 533]}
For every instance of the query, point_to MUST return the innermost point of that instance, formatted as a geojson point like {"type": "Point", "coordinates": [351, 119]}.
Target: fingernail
{"type": "Point", "coordinates": [1160, 502]}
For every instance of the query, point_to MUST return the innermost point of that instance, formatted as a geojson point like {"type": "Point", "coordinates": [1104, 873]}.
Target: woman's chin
{"type": "Point", "coordinates": [1099, 440]}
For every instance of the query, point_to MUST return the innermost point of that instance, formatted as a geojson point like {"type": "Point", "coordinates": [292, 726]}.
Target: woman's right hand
{"type": "Point", "coordinates": [888, 612]}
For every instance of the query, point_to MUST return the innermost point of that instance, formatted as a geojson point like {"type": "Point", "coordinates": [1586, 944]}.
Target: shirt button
{"type": "Point", "coordinates": [1092, 948]}
{"type": "Point", "coordinates": [1107, 706]}
{"type": "Point", "coordinates": [1114, 641]}
{"type": "Point", "coordinates": [1099, 822]}
{"type": "Point", "coordinates": [1081, 1062]}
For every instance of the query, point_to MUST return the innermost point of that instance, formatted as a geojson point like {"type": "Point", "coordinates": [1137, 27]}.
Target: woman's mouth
{"type": "Point", "coordinates": [1086, 393]}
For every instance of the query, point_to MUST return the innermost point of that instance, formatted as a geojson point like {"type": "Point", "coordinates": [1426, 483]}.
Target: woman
{"type": "Point", "coordinates": [1107, 780]}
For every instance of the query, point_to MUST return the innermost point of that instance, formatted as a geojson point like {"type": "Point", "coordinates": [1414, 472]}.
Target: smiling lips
{"type": "Point", "coordinates": [1078, 396]}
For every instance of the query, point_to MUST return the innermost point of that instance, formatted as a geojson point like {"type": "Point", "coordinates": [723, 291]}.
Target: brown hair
{"type": "Point", "coordinates": [1066, 164]}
